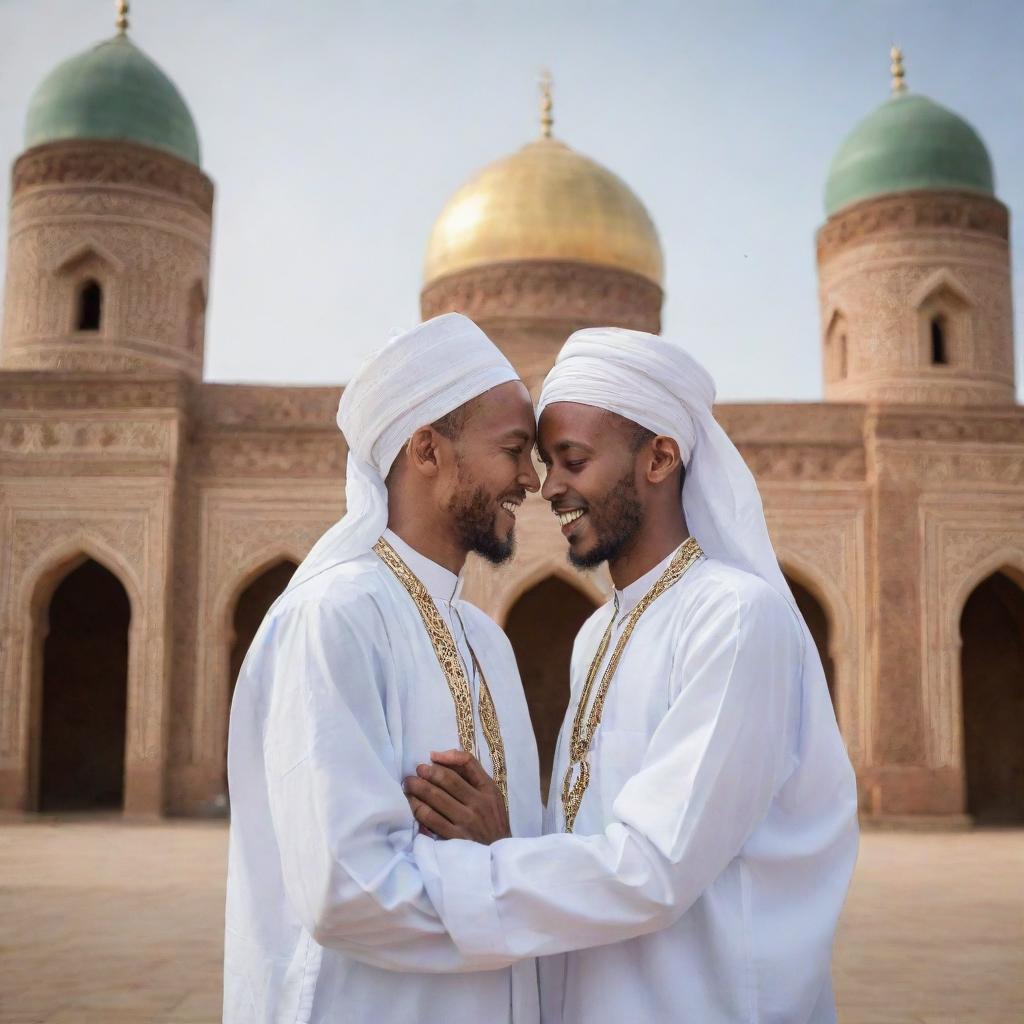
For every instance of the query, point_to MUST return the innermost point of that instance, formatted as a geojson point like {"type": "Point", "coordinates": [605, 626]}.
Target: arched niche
{"type": "Point", "coordinates": [992, 692]}
{"type": "Point", "coordinates": [81, 620]}
{"type": "Point", "coordinates": [814, 613]}
{"type": "Point", "coordinates": [541, 626]}
{"type": "Point", "coordinates": [943, 309]}
{"type": "Point", "coordinates": [245, 611]}
{"type": "Point", "coordinates": [252, 604]}
{"type": "Point", "coordinates": [837, 348]}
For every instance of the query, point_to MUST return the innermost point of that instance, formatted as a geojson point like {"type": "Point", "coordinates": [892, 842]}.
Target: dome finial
{"type": "Point", "coordinates": [121, 6]}
{"type": "Point", "coordinates": [899, 76]}
{"type": "Point", "coordinates": [547, 119]}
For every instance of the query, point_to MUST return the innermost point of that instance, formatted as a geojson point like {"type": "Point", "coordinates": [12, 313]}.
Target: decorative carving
{"type": "Point", "coordinates": [964, 538]}
{"type": "Point", "coordinates": [133, 439]}
{"type": "Point", "coordinates": [241, 531]}
{"type": "Point", "coordinates": [804, 462]}
{"type": "Point", "coordinates": [57, 391]}
{"type": "Point", "coordinates": [903, 461]}
{"type": "Point", "coordinates": [910, 211]}
{"type": "Point", "coordinates": [988, 426]}
{"type": "Point", "coordinates": [47, 522]}
{"type": "Point", "coordinates": [910, 263]}
{"type": "Point", "coordinates": [111, 163]}
{"type": "Point", "coordinates": [99, 202]}
{"type": "Point", "coordinates": [244, 405]}
{"type": "Point", "coordinates": [321, 456]}
{"type": "Point", "coordinates": [543, 289]}
{"type": "Point", "coordinates": [821, 536]}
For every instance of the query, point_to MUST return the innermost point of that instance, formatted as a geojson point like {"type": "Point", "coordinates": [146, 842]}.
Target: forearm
{"type": "Point", "coordinates": [356, 888]}
{"type": "Point", "coordinates": [555, 893]}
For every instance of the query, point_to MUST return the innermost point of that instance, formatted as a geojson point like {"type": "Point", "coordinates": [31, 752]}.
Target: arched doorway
{"type": "Point", "coordinates": [252, 605]}
{"type": "Point", "coordinates": [84, 692]}
{"type": "Point", "coordinates": [541, 626]}
{"type": "Point", "coordinates": [817, 622]}
{"type": "Point", "coordinates": [992, 670]}
{"type": "Point", "coordinates": [250, 609]}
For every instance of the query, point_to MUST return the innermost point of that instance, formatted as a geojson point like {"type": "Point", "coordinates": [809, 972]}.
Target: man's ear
{"type": "Point", "coordinates": [421, 451]}
{"type": "Point", "coordinates": [664, 459]}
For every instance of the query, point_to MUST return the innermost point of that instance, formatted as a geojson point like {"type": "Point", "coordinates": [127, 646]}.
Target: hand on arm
{"type": "Point", "coordinates": [454, 798]}
{"type": "Point", "coordinates": [706, 780]}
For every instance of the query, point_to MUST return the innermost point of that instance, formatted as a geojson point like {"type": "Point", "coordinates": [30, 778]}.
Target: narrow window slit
{"type": "Point", "coordinates": [90, 307]}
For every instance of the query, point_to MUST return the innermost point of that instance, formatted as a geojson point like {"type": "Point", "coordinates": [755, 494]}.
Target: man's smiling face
{"type": "Point", "coordinates": [591, 481]}
{"type": "Point", "coordinates": [493, 470]}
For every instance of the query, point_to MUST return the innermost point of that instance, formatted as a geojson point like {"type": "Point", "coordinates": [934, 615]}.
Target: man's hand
{"type": "Point", "coordinates": [456, 799]}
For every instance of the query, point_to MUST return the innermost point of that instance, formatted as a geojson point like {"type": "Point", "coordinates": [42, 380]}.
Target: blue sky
{"type": "Point", "coordinates": [335, 131]}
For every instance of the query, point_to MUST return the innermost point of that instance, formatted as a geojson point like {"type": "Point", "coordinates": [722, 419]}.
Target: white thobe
{"type": "Point", "coordinates": [340, 697]}
{"type": "Point", "coordinates": [713, 849]}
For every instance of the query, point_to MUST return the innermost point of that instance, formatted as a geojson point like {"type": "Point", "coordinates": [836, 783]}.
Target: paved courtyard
{"type": "Point", "coordinates": [103, 922]}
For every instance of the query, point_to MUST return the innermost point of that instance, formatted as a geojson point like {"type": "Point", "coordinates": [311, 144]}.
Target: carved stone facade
{"type": "Point", "coordinates": [132, 224]}
{"type": "Point", "coordinates": [916, 301]}
{"type": "Point", "coordinates": [888, 504]}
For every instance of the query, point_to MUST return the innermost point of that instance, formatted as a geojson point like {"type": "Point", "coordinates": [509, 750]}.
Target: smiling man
{"type": "Point", "coordinates": [367, 662]}
{"type": "Point", "coordinates": [703, 809]}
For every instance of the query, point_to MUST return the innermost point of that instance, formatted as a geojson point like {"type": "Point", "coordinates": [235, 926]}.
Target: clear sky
{"type": "Point", "coordinates": [335, 130]}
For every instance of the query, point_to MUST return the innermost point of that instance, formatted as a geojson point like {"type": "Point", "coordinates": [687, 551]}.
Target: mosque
{"type": "Point", "coordinates": [148, 518]}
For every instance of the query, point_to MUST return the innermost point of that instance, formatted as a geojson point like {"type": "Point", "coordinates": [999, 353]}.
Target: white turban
{"type": "Point", "coordinates": [654, 383]}
{"type": "Point", "coordinates": [414, 380]}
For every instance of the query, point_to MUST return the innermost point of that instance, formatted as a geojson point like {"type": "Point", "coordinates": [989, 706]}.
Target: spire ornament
{"type": "Point", "coordinates": [121, 6]}
{"type": "Point", "coordinates": [547, 119]}
{"type": "Point", "coordinates": [899, 76]}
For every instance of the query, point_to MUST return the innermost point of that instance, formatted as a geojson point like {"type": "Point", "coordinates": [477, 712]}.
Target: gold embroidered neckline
{"type": "Point", "coordinates": [454, 672]}
{"type": "Point", "coordinates": [585, 725]}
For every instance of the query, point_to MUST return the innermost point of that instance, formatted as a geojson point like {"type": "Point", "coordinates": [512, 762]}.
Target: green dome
{"type": "Point", "coordinates": [113, 91]}
{"type": "Point", "coordinates": [909, 142]}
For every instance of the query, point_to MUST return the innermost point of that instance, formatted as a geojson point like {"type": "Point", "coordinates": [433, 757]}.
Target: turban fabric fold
{"type": "Point", "coordinates": [414, 380]}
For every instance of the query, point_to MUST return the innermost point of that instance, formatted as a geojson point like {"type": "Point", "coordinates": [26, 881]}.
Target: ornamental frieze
{"type": "Point", "coordinates": [282, 457]}
{"type": "Point", "coordinates": [951, 211]}
{"type": "Point", "coordinates": [544, 289]}
{"type": "Point", "coordinates": [47, 390]}
{"type": "Point", "coordinates": [909, 462]}
{"type": "Point", "coordinates": [1008, 428]}
{"type": "Point", "coordinates": [239, 405]}
{"type": "Point", "coordinates": [107, 438]}
{"type": "Point", "coordinates": [142, 210]}
{"type": "Point", "coordinates": [804, 462]}
{"type": "Point", "coordinates": [111, 163]}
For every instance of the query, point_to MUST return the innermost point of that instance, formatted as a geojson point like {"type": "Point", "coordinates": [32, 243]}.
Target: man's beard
{"type": "Point", "coordinates": [615, 526]}
{"type": "Point", "coordinates": [475, 516]}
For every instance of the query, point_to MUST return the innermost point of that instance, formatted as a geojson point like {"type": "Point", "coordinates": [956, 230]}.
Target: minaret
{"type": "Point", "coordinates": [540, 244]}
{"type": "Point", "coordinates": [109, 235]}
{"type": "Point", "coordinates": [914, 261]}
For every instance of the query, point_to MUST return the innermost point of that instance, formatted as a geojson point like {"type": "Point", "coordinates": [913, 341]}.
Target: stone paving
{"type": "Point", "coordinates": [103, 922]}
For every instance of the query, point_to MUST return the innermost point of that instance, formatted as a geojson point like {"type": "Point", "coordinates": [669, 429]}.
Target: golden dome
{"type": "Point", "coordinates": [545, 202]}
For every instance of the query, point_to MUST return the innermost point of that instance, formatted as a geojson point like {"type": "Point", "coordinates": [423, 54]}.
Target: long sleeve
{"type": "Point", "coordinates": [706, 780]}
{"type": "Point", "coordinates": [340, 816]}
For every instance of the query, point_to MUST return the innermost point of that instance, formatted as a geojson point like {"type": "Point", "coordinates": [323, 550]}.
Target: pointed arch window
{"type": "Point", "coordinates": [89, 306]}
{"type": "Point", "coordinates": [837, 348]}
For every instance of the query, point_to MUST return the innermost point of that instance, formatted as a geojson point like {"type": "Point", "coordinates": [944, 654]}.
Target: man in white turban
{"type": "Point", "coordinates": [703, 809]}
{"type": "Point", "coordinates": [367, 663]}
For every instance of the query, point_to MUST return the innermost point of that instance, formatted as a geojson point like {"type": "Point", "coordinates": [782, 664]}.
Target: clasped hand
{"type": "Point", "coordinates": [454, 798]}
